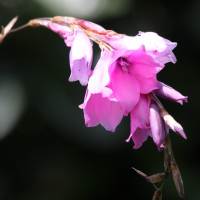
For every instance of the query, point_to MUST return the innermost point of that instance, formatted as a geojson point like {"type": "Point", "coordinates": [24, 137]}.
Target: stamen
{"type": "Point", "coordinates": [123, 64]}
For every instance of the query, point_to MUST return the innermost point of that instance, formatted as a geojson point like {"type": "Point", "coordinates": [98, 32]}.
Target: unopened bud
{"type": "Point", "coordinates": [156, 124]}
{"type": "Point", "coordinates": [177, 179]}
{"type": "Point", "coordinates": [172, 123]}
{"type": "Point", "coordinates": [155, 178]}
{"type": "Point", "coordinates": [157, 195]}
{"type": "Point", "coordinates": [140, 173]}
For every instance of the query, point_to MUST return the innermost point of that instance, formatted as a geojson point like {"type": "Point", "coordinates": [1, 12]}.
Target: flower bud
{"type": "Point", "coordinates": [172, 123]}
{"type": "Point", "coordinates": [156, 124]}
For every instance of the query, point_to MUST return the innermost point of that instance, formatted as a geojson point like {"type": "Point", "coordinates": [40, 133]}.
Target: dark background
{"type": "Point", "coordinates": [46, 152]}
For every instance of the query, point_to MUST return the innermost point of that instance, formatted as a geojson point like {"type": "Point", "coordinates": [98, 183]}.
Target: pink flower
{"type": "Point", "coordinates": [81, 53]}
{"type": "Point", "coordinates": [146, 121]}
{"type": "Point", "coordinates": [120, 82]}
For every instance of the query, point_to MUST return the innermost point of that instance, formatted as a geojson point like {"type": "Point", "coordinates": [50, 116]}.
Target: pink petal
{"type": "Point", "coordinates": [99, 110]}
{"type": "Point", "coordinates": [100, 77]}
{"type": "Point", "coordinates": [125, 87]}
{"type": "Point", "coordinates": [142, 63]}
{"type": "Point", "coordinates": [81, 58]}
{"type": "Point", "coordinates": [153, 41]}
{"type": "Point", "coordinates": [169, 93]}
{"type": "Point", "coordinates": [139, 136]}
{"type": "Point", "coordinates": [63, 30]}
{"type": "Point", "coordinates": [140, 114]}
{"type": "Point", "coordinates": [147, 85]}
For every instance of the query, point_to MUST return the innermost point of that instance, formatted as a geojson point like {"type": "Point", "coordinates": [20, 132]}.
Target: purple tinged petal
{"type": "Point", "coordinates": [171, 94]}
{"type": "Point", "coordinates": [153, 41]}
{"type": "Point", "coordinates": [81, 58]}
{"type": "Point", "coordinates": [63, 30]}
{"type": "Point", "coordinates": [125, 87]}
{"type": "Point", "coordinates": [100, 77]}
{"type": "Point", "coordinates": [99, 110]}
{"type": "Point", "coordinates": [139, 136]}
{"type": "Point", "coordinates": [156, 123]}
{"type": "Point", "coordinates": [140, 114]}
{"type": "Point", "coordinates": [180, 132]}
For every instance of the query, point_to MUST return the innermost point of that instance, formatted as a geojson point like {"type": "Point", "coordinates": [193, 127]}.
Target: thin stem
{"type": "Point", "coordinates": [170, 145]}
{"type": "Point", "coordinates": [157, 101]}
{"type": "Point", "coordinates": [19, 28]}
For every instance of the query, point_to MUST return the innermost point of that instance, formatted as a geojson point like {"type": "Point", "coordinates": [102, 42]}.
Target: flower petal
{"type": "Point", "coordinates": [140, 113]}
{"type": "Point", "coordinates": [125, 87]}
{"type": "Point", "coordinates": [139, 136]}
{"type": "Point", "coordinates": [147, 85]}
{"type": "Point", "coordinates": [81, 58]}
{"type": "Point", "coordinates": [63, 30]}
{"type": "Point", "coordinates": [169, 93]}
{"type": "Point", "coordinates": [99, 110]}
{"type": "Point", "coordinates": [100, 77]}
{"type": "Point", "coordinates": [142, 63]}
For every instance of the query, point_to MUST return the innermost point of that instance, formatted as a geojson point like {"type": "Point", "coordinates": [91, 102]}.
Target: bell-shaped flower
{"type": "Point", "coordinates": [146, 121]}
{"type": "Point", "coordinates": [127, 74]}
{"type": "Point", "coordinates": [81, 53]}
{"type": "Point", "coordinates": [169, 93]}
{"type": "Point", "coordinates": [81, 58]}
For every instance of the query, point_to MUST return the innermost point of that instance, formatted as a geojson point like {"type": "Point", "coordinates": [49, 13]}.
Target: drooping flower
{"type": "Point", "coordinates": [81, 52]}
{"type": "Point", "coordinates": [121, 82]}
{"type": "Point", "coordinates": [146, 121]}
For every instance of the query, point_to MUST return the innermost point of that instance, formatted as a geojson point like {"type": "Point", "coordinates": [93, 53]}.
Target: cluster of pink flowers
{"type": "Point", "coordinates": [124, 80]}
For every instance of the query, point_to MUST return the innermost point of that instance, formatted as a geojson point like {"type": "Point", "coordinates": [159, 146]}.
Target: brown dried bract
{"type": "Point", "coordinates": [177, 179]}
{"type": "Point", "coordinates": [140, 173]}
{"type": "Point", "coordinates": [157, 195]}
{"type": "Point", "coordinates": [155, 178]}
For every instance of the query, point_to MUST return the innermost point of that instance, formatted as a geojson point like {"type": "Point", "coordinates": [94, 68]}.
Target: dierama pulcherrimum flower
{"type": "Point", "coordinates": [122, 78]}
{"type": "Point", "coordinates": [81, 52]}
